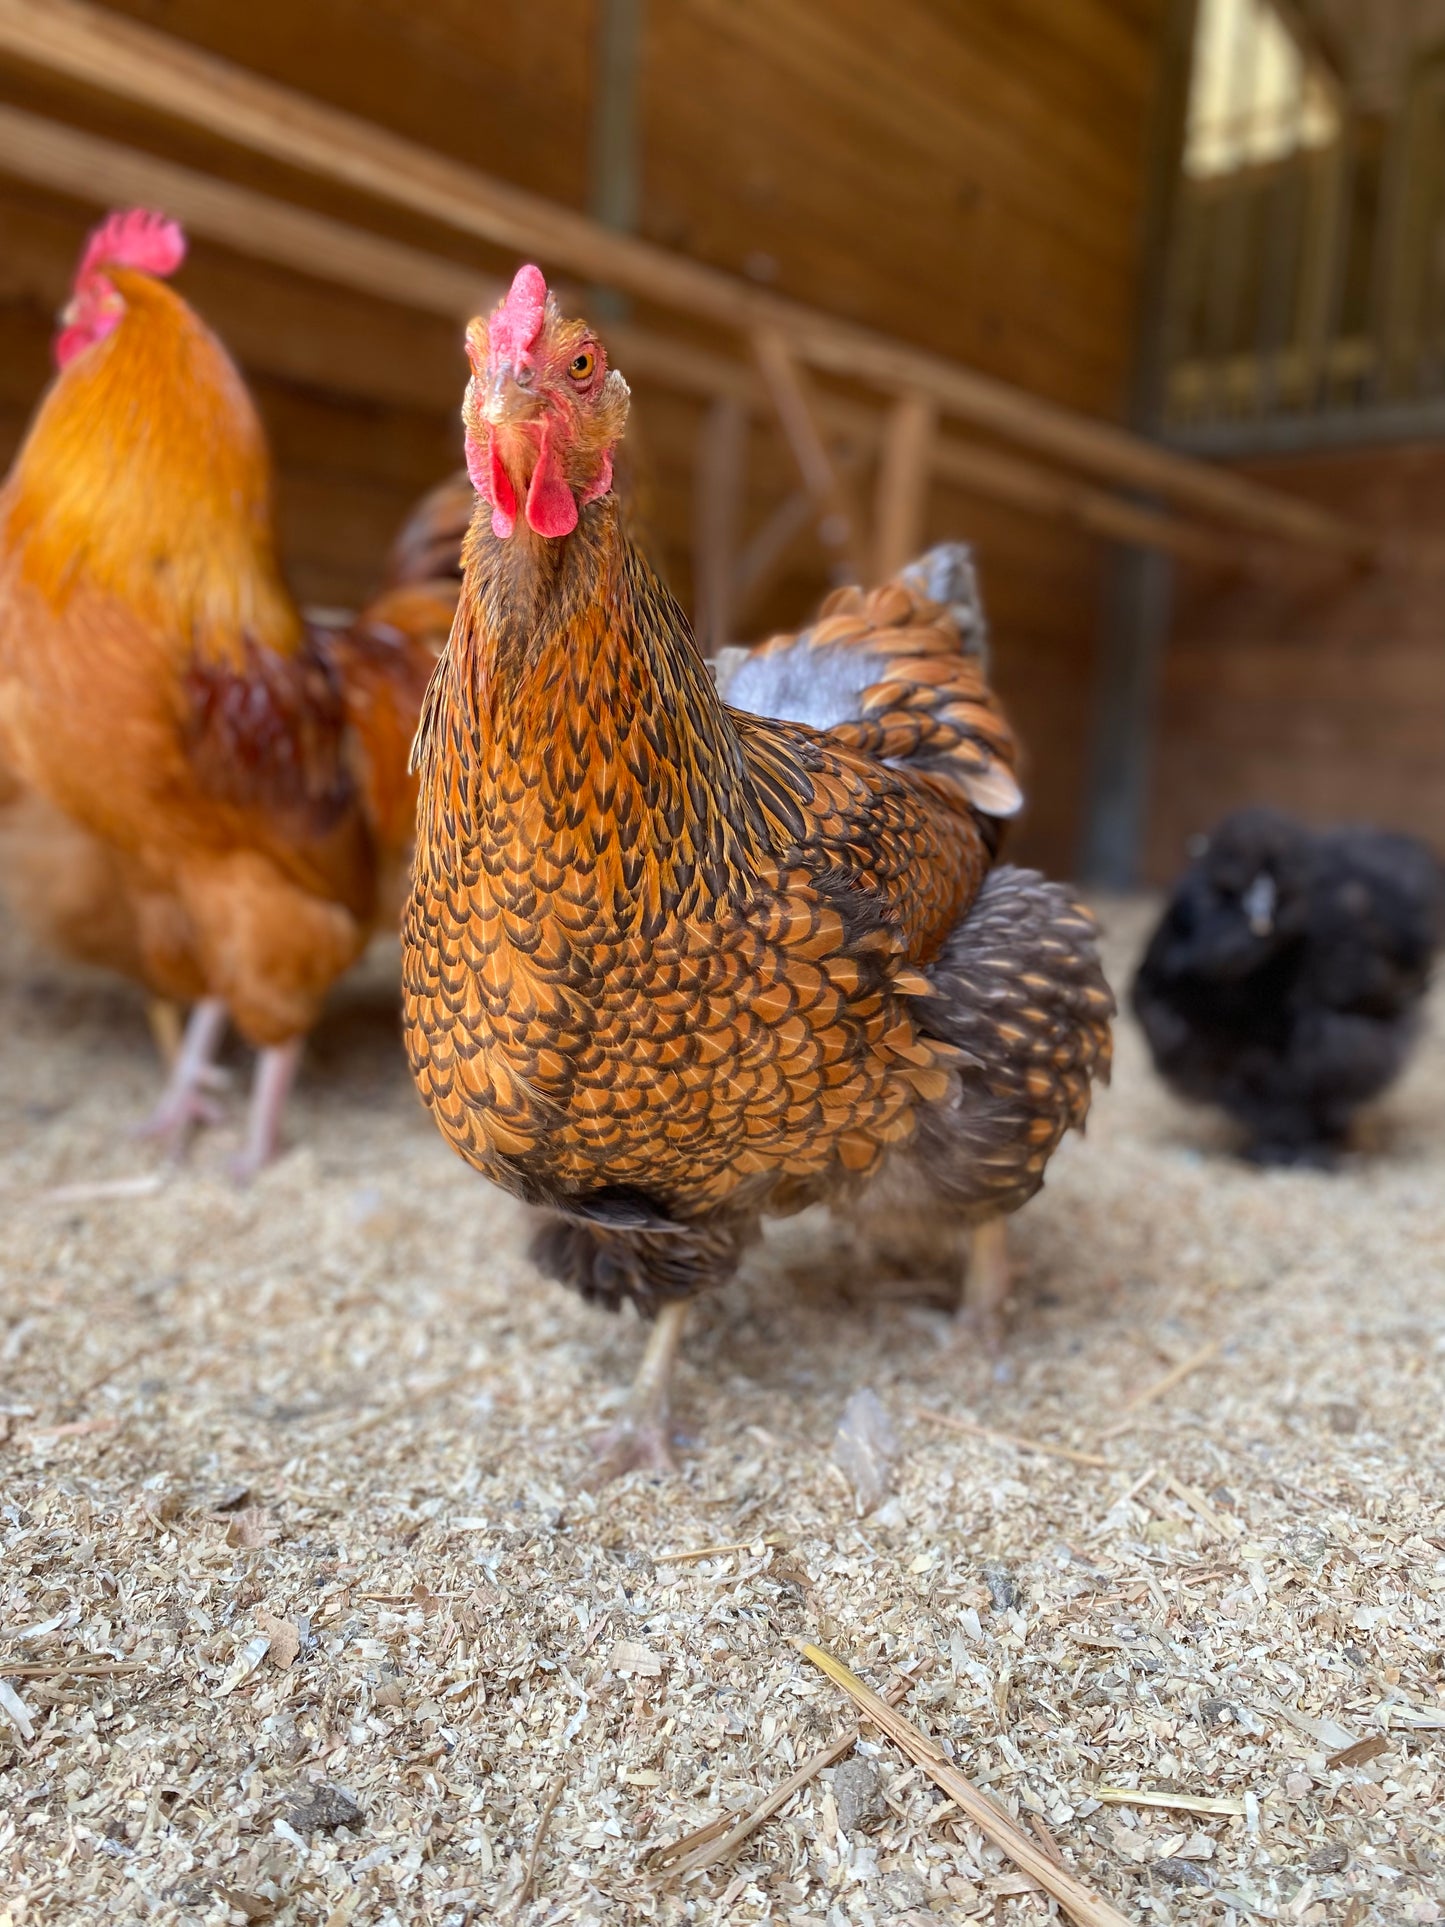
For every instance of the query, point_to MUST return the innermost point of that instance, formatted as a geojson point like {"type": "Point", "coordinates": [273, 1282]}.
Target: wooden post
{"type": "Point", "coordinates": [903, 484]}
{"type": "Point", "coordinates": [1139, 604]}
{"type": "Point", "coordinates": [616, 151]}
{"type": "Point", "coordinates": [839, 528]}
{"type": "Point", "coordinates": [717, 513]}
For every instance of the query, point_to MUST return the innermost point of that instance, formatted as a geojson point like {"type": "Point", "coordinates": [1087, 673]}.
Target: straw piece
{"type": "Point", "coordinates": [951, 1424]}
{"type": "Point", "coordinates": [544, 1820]}
{"type": "Point", "coordinates": [686, 1558]}
{"type": "Point", "coordinates": [718, 1839]}
{"type": "Point", "coordinates": [1202, 1509]}
{"type": "Point", "coordinates": [73, 1669]}
{"type": "Point", "coordinates": [1151, 1393]}
{"type": "Point", "coordinates": [1135, 1796]}
{"type": "Point", "coordinates": [707, 1846]}
{"type": "Point", "coordinates": [996, 1825]}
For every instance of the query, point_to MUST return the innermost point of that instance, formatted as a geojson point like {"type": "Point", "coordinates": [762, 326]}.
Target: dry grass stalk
{"type": "Point", "coordinates": [70, 1669]}
{"type": "Point", "coordinates": [1162, 1387]}
{"type": "Point", "coordinates": [973, 1430]}
{"type": "Point", "coordinates": [687, 1558]}
{"type": "Point", "coordinates": [544, 1820]}
{"type": "Point", "coordinates": [1202, 1509]}
{"type": "Point", "coordinates": [1134, 1796]}
{"type": "Point", "coordinates": [1085, 1907]}
{"type": "Point", "coordinates": [708, 1846]}
{"type": "Point", "coordinates": [718, 1840]}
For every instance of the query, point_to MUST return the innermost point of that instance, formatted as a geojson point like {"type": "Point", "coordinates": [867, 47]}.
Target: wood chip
{"type": "Point", "coordinates": [1361, 1751]}
{"type": "Point", "coordinates": [16, 1711]}
{"type": "Point", "coordinates": [628, 1657]}
{"type": "Point", "coordinates": [283, 1636]}
{"type": "Point", "coordinates": [1087, 1908]}
{"type": "Point", "coordinates": [974, 1430]}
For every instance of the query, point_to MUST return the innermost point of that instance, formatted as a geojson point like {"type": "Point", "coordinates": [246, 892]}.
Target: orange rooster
{"type": "Point", "coordinates": [242, 774]}
{"type": "Point", "coordinates": [670, 966]}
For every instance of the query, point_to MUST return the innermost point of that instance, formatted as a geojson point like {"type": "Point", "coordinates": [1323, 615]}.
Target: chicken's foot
{"type": "Point", "coordinates": [182, 1106]}
{"type": "Point", "coordinates": [987, 1284]}
{"type": "Point", "coordinates": [275, 1073]}
{"type": "Point", "coordinates": [642, 1437]}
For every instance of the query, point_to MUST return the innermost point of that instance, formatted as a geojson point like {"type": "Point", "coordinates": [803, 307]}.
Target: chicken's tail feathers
{"type": "Point", "coordinates": [898, 672]}
{"type": "Point", "coordinates": [947, 575]}
{"type": "Point", "coordinates": [1019, 993]}
{"type": "Point", "coordinates": [384, 663]}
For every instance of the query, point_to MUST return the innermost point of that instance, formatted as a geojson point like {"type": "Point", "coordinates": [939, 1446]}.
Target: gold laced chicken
{"type": "Point", "coordinates": [672, 965]}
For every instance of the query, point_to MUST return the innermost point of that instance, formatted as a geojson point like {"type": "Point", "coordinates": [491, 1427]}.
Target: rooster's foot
{"type": "Point", "coordinates": [632, 1445]}
{"type": "Point", "coordinates": [183, 1107]}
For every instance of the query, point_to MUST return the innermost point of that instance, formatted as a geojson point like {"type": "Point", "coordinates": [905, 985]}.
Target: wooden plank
{"type": "Point", "coordinates": [119, 56]}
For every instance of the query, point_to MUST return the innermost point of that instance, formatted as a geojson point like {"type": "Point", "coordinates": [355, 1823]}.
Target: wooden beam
{"type": "Point", "coordinates": [121, 57]}
{"type": "Point", "coordinates": [96, 170]}
{"type": "Point", "coordinates": [903, 484]}
{"type": "Point", "coordinates": [718, 491]}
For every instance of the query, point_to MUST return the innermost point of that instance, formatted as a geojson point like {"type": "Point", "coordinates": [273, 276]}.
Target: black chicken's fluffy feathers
{"type": "Point", "coordinates": [1285, 979]}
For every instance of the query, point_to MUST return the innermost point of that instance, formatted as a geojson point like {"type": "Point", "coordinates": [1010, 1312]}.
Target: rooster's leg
{"type": "Point", "coordinates": [182, 1106]}
{"type": "Point", "coordinates": [642, 1436]}
{"type": "Point", "coordinates": [168, 1032]}
{"type": "Point", "coordinates": [986, 1287]}
{"type": "Point", "coordinates": [275, 1072]}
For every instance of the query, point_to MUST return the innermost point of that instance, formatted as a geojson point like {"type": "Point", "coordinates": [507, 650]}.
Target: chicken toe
{"type": "Point", "coordinates": [641, 1437]}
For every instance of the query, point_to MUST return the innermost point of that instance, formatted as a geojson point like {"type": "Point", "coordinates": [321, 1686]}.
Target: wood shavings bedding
{"type": "Point", "coordinates": [309, 1618]}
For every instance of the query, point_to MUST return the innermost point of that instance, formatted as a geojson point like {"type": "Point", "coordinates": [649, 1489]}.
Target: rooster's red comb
{"type": "Point", "coordinates": [135, 238]}
{"type": "Point", "coordinates": [517, 321]}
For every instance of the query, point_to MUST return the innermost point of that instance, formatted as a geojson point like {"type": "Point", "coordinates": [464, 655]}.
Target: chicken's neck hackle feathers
{"type": "Point", "coordinates": [148, 433]}
{"type": "Point", "coordinates": [584, 702]}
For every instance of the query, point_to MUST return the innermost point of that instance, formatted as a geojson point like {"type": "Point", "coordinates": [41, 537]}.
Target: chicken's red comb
{"type": "Point", "coordinates": [135, 238]}
{"type": "Point", "coordinates": [517, 321]}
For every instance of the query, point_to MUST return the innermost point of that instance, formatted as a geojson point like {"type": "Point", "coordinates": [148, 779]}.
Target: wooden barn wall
{"type": "Point", "coordinates": [968, 178]}
{"type": "Point", "coordinates": [1314, 688]}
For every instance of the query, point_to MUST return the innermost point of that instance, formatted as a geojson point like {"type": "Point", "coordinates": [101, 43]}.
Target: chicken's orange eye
{"type": "Point", "coordinates": [582, 365]}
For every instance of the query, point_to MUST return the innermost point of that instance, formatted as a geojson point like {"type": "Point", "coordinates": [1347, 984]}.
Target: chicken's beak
{"type": "Point", "coordinates": [511, 397]}
{"type": "Point", "coordinates": [1260, 901]}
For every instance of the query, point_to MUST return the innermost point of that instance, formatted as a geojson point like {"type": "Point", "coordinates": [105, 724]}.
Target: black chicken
{"type": "Point", "coordinates": [1285, 979]}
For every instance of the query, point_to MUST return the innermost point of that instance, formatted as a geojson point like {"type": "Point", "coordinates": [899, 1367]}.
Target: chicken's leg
{"type": "Point", "coordinates": [986, 1286]}
{"type": "Point", "coordinates": [182, 1106]}
{"type": "Point", "coordinates": [275, 1073]}
{"type": "Point", "coordinates": [642, 1436]}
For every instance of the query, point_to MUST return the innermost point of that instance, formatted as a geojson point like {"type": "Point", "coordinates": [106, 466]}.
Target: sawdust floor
{"type": "Point", "coordinates": [304, 1615]}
